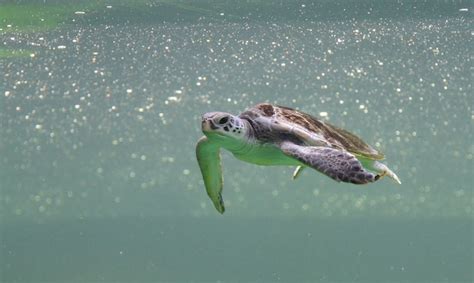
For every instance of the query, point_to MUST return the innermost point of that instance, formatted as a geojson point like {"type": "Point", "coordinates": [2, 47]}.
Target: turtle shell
{"type": "Point", "coordinates": [337, 137]}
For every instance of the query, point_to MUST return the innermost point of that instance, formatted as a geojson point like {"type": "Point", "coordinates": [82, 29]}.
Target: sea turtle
{"type": "Point", "coordinates": [267, 134]}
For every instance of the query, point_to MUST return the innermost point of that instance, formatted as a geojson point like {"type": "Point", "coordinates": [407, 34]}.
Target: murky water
{"type": "Point", "coordinates": [100, 114]}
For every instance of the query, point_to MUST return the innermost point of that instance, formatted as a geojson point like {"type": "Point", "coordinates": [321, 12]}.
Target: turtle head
{"type": "Point", "coordinates": [223, 126]}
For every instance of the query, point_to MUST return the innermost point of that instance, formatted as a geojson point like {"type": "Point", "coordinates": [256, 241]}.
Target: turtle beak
{"type": "Point", "coordinates": [207, 123]}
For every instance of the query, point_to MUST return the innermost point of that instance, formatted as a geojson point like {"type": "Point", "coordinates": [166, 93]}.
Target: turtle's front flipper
{"type": "Point", "coordinates": [297, 172]}
{"type": "Point", "coordinates": [209, 160]}
{"type": "Point", "coordinates": [337, 164]}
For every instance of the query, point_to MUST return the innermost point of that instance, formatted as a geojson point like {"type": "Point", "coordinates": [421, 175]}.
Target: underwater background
{"type": "Point", "coordinates": [100, 106]}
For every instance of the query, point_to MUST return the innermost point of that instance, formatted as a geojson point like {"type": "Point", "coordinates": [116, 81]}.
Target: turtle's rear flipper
{"type": "Point", "coordinates": [297, 172]}
{"type": "Point", "coordinates": [383, 170]}
{"type": "Point", "coordinates": [340, 165]}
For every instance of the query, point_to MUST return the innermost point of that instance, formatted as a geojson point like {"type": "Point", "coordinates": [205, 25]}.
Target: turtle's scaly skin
{"type": "Point", "coordinates": [273, 135]}
{"type": "Point", "coordinates": [339, 165]}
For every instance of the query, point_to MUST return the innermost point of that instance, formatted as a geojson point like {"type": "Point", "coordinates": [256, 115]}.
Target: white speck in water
{"type": "Point", "coordinates": [77, 106]}
{"type": "Point", "coordinates": [132, 174]}
{"type": "Point", "coordinates": [169, 159]}
{"type": "Point", "coordinates": [305, 207]}
{"type": "Point", "coordinates": [61, 47]}
{"type": "Point", "coordinates": [80, 13]}
{"type": "Point", "coordinates": [464, 10]}
{"type": "Point", "coordinates": [129, 91]}
{"type": "Point", "coordinates": [178, 91]}
{"type": "Point", "coordinates": [323, 114]}
{"type": "Point", "coordinates": [39, 126]}
{"type": "Point", "coordinates": [7, 93]}
{"type": "Point", "coordinates": [174, 98]}
{"type": "Point", "coordinates": [143, 157]}
{"type": "Point", "coordinates": [108, 6]}
{"type": "Point", "coordinates": [186, 171]}
{"type": "Point", "coordinates": [359, 203]}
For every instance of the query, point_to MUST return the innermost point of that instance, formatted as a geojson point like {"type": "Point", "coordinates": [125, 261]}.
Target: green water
{"type": "Point", "coordinates": [100, 113]}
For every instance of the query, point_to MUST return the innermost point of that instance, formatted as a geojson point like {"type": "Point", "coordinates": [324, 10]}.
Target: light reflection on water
{"type": "Point", "coordinates": [100, 119]}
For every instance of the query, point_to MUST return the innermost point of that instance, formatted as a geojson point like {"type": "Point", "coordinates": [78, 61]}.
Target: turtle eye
{"type": "Point", "coordinates": [223, 120]}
